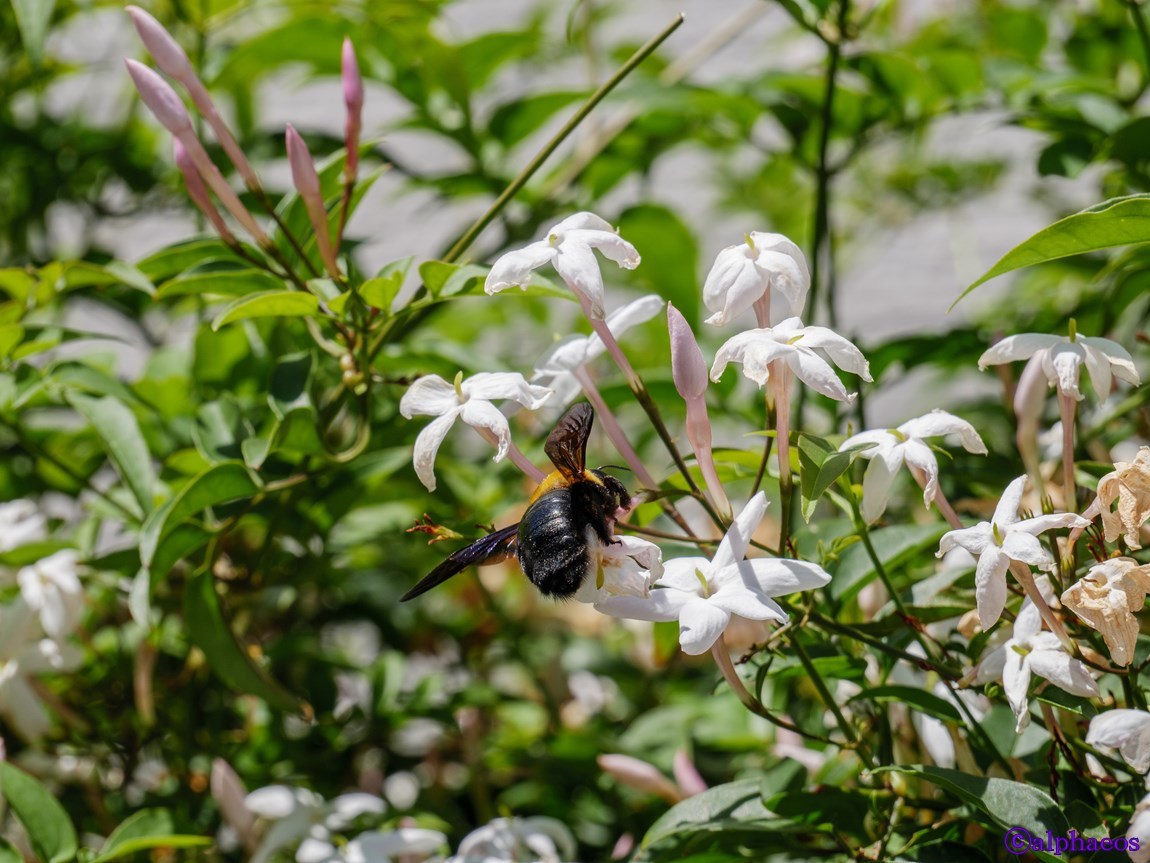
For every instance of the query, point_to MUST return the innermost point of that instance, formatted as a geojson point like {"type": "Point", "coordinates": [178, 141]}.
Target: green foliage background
{"type": "Point", "coordinates": [243, 512]}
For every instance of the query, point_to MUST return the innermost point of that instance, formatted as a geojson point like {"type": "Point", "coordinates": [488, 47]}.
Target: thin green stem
{"type": "Point", "coordinates": [551, 146]}
{"type": "Point", "coordinates": [831, 704]}
{"type": "Point", "coordinates": [1143, 37]}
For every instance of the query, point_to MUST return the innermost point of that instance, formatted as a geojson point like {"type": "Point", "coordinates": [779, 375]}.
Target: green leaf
{"type": "Point", "coordinates": [381, 291]}
{"type": "Point", "coordinates": [8, 852]}
{"type": "Point", "coordinates": [1007, 803]}
{"type": "Point", "coordinates": [224, 281]}
{"type": "Point", "coordinates": [148, 828]}
{"type": "Point", "coordinates": [514, 121]}
{"type": "Point", "coordinates": [268, 304]}
{"type": "Point", "coordinates": [49, 829]}
{"type": "Point", "coordinates": [736, 805]}
{"type": "Point", "coordinates": [846, 810]}
{"type": "Point", "coordinates": [183, 256]}
{"type": "Point", "coordinates": [289, 383]}
{"type": "Point", "coordinates": [444, 280]}
{"type": "Point", "coordinates": [116, 425]}
{"type": "Point", "coordinates": [894, 545]}
{"type": "Point", "coordinates": [32, 19]}
{"type": "Point", "coordinates": [218, 484]}
{"type": "Point", "coordinates": [670, 256]}
{"type": "Point", "coordinates": [209, 630]}
{"type": "Point", "coordinates": [820, 465]}
{"type": "Point", "coordinates": [10, 336]}
{"type": "Point", "coordinates": [1117, 222]}
{"type": "Point", "coordinates": [917, 699]}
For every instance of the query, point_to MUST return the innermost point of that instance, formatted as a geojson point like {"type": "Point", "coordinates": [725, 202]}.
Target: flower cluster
{"type": "Point", "coordinates": [37, 623]}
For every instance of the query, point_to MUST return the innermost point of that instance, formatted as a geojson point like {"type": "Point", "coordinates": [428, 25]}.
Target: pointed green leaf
{"type": "Point", "coordinates": [233, 282]}
{"type": "Point", "coordinates": [820, 464]}
{"type": "Point", "coordinates": [218, 484]}
{"type": "Point", "coordinates": [117, 427]}
{"type": "Point", "coordinates": [210, 631]}
{"type": "Point", "coordinates": [32, 19]}
{"type": "Point", "coordinates": [49, 829]}
{"type": "Point", "coordinates": [1117, 222]}
{"type": "Point", "coordinates": [148, 828]}
{"type": "Point", "coordinates": [268, 304]}
{"type": "Point", "coordinates": [921, 700]}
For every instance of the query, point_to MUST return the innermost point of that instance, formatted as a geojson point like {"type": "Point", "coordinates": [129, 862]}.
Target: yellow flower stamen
{"type": "Point", "coordinates": [459, 385]}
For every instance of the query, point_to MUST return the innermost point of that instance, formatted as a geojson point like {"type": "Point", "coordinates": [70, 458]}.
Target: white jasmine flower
{"type": "Point", "coordinates": [558, 368]}
{"type": "Point", "coordinates": [1139, 832]}
{"type": "Point", "coordinates": [1128, 731]}
{"type": "Point", "coordinates": [907, 444]}
{"type": "Point", "coordinates": [51, 587]}
{"type": "Point", "coordinates": [298, 815]}
{"type": "Point", "coordinates": [517, 840]}
{"type": "Point", "coordinates": [795, 346]}
{"type": "Point", "coordinates": [625, 567]}
{"type": "Point", "coordinates": [21, 522]}
{"type": "Point", "coordinates": [379, 847]}
{"type": "Point", "coordinates": [469, 400]}
{"type": "Point", "coordinates": [997, 542]}
{"type": "Point", "coordinates": [703, 595]}
{"type": "Point", "coordinates": [23, 655]}
{"type": "Point", "coordinates": [1031, 651]}
{"type": "Point", "coordinates": [1106, 598]}
{"type": "Point", "coordinates": [1063, 358]}
{"type": "Point", "coordinates": [569, 247]}
{"type": "Point", "coordinates": [763, 265]}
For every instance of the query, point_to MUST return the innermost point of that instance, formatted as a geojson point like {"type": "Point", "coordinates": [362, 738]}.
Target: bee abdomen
{"type": "Point", "coordinates": [552, 548]}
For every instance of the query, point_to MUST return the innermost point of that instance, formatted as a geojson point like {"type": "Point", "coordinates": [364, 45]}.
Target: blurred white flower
{"type": "Point", "coordinates": [1139, 831]}
{"type": "Point", "coordinates": [51, 587]}
{"type": "Point", "coordinates": [23, 654]}
{"type": "Point", "coordinates": [569, 247]}
{"type": "Point", "coordinates": [1128, 731]}
{"type": "Point", "coordinates": [795, 346]}
{"type": "Point", "coordinates": [1031, 651]}
{"type": "Point", "coordinates": [21, 522]}
{"type": "Point", "coordinates": [559, 368]}
{"type": "Point", "coordinates": [999, 541]}
{"type": "Point", "coordinates": [703, 594]}
{"type": "Point", "coordinates": [302, 818]}
{"type": "Point", "coordinates": [764, 265]}
{"type": "Point", "coordinates": [1106, 598]}
{"type": "Point", "coordinates": [1063, 358]}
{"type": "Point", "coordinates": [906, 444]}
{"type": "Point", "coordinates": [469, 400]}
{"type": "Point", "coordinates": [406, 843]}
{"type": "Point", "coordinates": [517, 840]}
{"type": "Point", "coordinates": [625, 567]}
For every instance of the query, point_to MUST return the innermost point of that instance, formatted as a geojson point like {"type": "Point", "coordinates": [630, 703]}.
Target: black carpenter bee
{"type": "Point", "coordinates": [572, 508]}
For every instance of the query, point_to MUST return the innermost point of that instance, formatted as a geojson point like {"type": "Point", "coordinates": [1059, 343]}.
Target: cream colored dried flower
{"type": "Point", "coordinates": [1106, 599]}
{"type": "Point", "coordinates": [1129, 484]}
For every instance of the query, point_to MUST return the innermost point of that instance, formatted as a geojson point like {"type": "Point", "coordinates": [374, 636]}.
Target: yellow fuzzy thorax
{"type": "Point", "coordinates": [557, 479]}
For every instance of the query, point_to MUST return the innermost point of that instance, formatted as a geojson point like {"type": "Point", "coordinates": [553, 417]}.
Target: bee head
{"type": "Point", "coordinates": [620, 498]}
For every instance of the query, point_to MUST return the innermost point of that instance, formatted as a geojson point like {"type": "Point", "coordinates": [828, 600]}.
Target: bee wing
{"type": "Point", "coordinates": [490, 549]}
{"type": "Point", "coordinates": [567, 444]}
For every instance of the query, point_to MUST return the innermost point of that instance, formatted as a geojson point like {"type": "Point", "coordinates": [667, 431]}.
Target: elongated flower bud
{"type": "Point", "coordinates": [689, 371]}
{"type": "Point", "coordinates": [160, 99]}
{"type": "Point", "coordinates": [173, 61]}
{"type": "Point", "coordinates": [165, 104]}
{"type": "Point", "coordinates": [688, 367]}
{"type": "Point", "coordinates": [686, 774]}
{"type": "Point", "coordinates": [306, 181]}
{"type": "Point", "coordinates": [198, 192]}
{"type": "Point", "coordinates": [228, 791]}
{"type": "Point", "coordinates": [640, 775]}
{"type": "Point", "coordinates": [353, 99]}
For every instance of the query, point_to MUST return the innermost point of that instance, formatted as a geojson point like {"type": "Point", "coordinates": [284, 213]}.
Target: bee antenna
{"type": "Point", "coordinates": [615, 467]}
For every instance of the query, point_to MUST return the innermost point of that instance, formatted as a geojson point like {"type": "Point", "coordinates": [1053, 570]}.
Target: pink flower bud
{"type": "Point", "coordinates": [160, 99]}
{"type": "Point", "coordinates": [306, 181]}
{"type": "Point", "coordinates": [639, 775]}
{"type": "Point", "coordinates": [172, 60]}
{"type": "Point", "coordinates": [690, 782]}
{"type": "Point", "coordinates": [198, 192]}
{"type": "Point", "coordinates": [688, 368]}
{"type": "Point", "coordinates": [167, 53]}
{"type": "Point", "coordinates": [353, 98]}
{"type": "Point", "coordinates": [1030, 395]}
{"type": "Point", "coordinates": [228, 791]}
